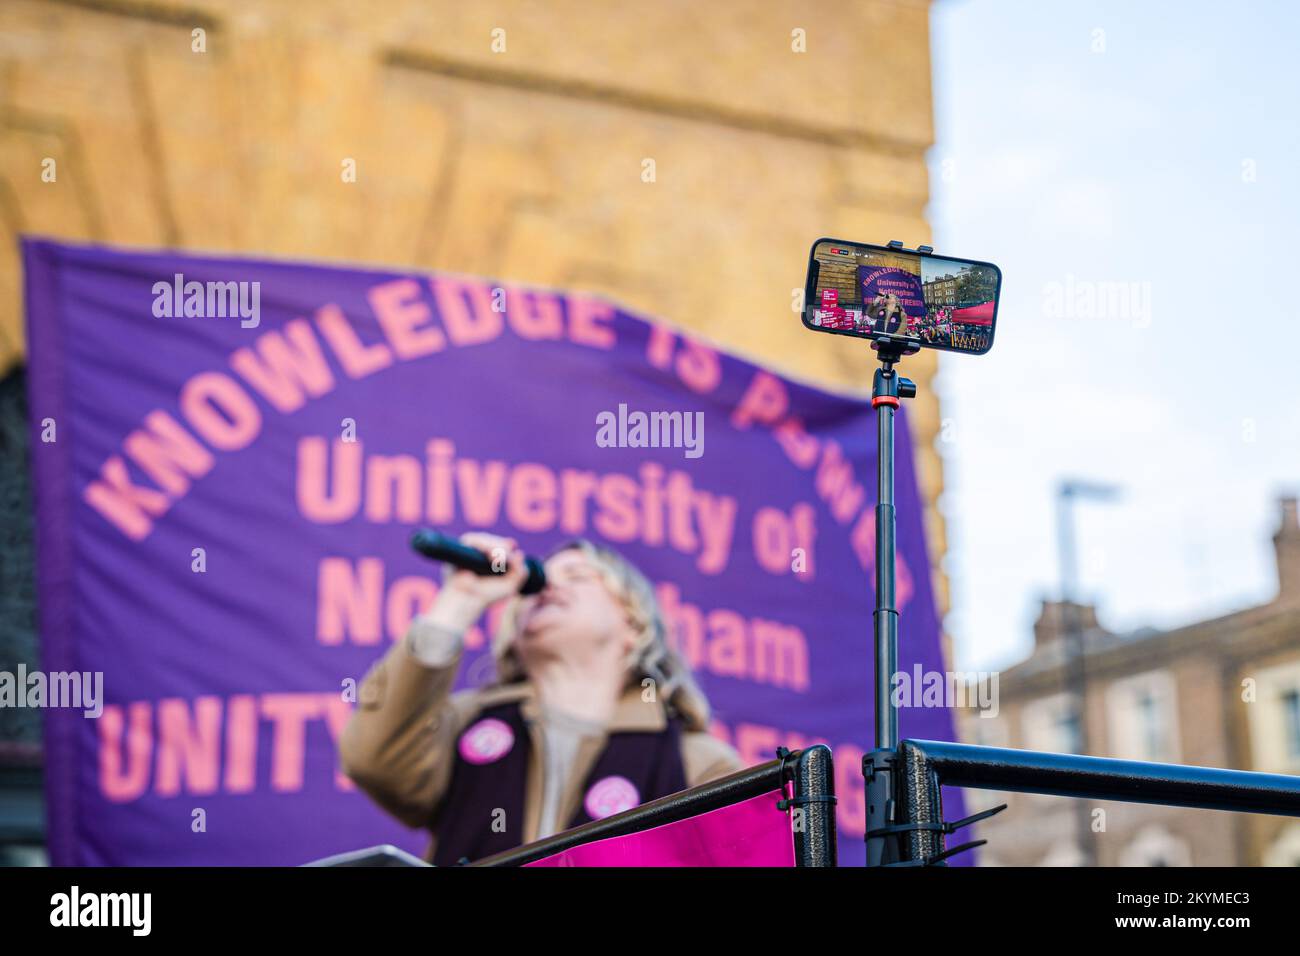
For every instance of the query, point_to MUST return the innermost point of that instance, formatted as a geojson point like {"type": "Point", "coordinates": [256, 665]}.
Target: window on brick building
{"type": "Point", "coordinates": [1291, 721]}
{"type": "Point", "coordinates": [1274, 718]}
{"type": "Point", "coordinates": [1142, 717]}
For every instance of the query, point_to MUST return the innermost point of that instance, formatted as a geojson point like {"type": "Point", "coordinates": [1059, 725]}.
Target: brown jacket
{"type": "Point", "coordinates": [400, 743]}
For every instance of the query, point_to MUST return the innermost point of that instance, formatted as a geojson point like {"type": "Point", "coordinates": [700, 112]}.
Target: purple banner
{"type": "Point", "coordinates": [229, 456]}
{"type": "Point", "coordinates": [886, 290]}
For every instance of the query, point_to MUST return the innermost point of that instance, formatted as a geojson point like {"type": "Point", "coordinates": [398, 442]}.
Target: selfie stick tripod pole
{"type": "Point", "coordinates": [888, 388]}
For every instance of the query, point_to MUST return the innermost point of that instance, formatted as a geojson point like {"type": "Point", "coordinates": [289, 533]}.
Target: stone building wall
{"type": "Point", "coordinates": [511, 139]}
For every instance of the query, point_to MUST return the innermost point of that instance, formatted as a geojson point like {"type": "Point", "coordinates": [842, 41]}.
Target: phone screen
{"type": "Point", "coordinates": [927, 300]}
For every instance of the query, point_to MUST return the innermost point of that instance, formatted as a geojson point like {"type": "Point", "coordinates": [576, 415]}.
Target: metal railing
{"type": "Point", "coordinates": [924, 766]}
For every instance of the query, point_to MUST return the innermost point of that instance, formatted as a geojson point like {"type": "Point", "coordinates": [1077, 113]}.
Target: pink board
{"type": "Point", "coordinates": [751, 833]}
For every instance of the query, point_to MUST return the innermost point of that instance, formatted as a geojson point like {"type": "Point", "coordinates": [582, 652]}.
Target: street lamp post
{"type": "Point", "coordinates": [1076, 661]}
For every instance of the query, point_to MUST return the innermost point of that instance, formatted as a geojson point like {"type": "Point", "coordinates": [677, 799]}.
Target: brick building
{"type": "Point", "coordinates": [1220, 693]}
{"type": "Point", "coordinates": [941, 291]}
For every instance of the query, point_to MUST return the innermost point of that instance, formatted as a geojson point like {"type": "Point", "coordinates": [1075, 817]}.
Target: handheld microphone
{"type": "Point", "coordinates": [439, 547]}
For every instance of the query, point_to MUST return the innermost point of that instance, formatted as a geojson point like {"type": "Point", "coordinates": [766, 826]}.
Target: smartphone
{"type": "Point", "coordinates": [867, 291]}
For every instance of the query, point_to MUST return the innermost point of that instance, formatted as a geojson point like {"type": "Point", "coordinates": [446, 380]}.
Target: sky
{"type": "Point", "coordinates": [1132, 168]}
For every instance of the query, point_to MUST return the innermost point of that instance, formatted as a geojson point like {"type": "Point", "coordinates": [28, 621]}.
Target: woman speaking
{"type": "Point", "coordinates": [591, 712]}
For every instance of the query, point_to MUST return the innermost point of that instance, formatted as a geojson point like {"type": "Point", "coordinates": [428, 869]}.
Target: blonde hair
{"type": "Point", "coordinates": [651, 657]}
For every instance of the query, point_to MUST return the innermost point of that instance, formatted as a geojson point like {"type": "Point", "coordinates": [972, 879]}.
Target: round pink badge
{"type": "Point", "coordinates": [488, 740]}
{"type": "Point", "coordinates": [611, 795]}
